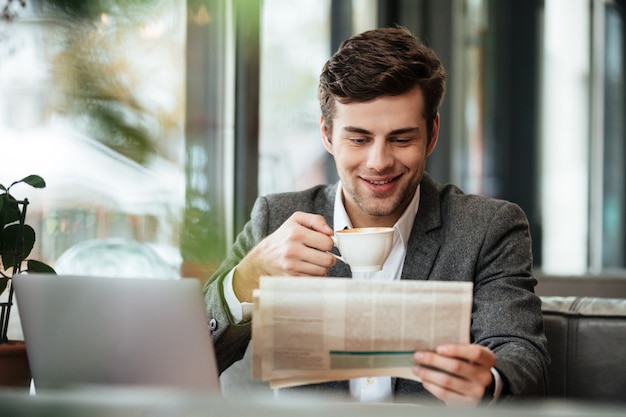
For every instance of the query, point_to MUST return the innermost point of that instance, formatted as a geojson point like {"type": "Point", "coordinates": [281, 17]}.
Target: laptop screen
{"type": "Point", "coordinates": [83, 330]}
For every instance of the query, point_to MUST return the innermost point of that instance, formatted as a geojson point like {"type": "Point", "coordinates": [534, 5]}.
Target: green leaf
{"type": "Point", "coordinates": [9, 243]}
{"type": "Point", "coordinates": [9, 210]}
{"type": "Point", "coordinates": [37, 266]}
{"type": "Point", "coordinates": [34, 181]}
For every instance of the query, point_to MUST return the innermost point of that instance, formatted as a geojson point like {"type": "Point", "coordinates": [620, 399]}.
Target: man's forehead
{"type": "Point", "coordinates": [406, 110]}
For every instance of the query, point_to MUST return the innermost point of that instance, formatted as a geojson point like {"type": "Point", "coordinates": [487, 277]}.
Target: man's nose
{"type": "Point", "coordinates": [379, 156]}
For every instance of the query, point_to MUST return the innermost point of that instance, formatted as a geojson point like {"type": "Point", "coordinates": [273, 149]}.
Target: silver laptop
{"type": "Point", "coordinates": [92, 331]}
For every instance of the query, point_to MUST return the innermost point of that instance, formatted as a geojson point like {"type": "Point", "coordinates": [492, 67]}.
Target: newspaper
{"type": "Point", "coordinates": [309, 330]}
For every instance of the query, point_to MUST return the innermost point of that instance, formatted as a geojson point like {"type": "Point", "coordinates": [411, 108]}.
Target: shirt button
{"type": "Point", "coordinates": [370, 380]}
{"type": "Point", "coordinates": [213, 325]}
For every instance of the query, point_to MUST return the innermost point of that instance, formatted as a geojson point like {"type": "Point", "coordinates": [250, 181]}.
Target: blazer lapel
{"type": "Point", "coordinates": [424, 242]}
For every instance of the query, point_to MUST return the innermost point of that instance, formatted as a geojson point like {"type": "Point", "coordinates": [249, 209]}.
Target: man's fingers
{"type": "Point", "coordinates": [475, 354]}
{"type": "Point", "coordinates": [442, 364]}
{"type": "Point", "coordinates": [312, 231]}
{"type": "Point", "coordinates": [303, 260]}
{"type": "Point", "coordinates": [455, 371]}
{"type": "Point", "coordinates": [449, 397]}
{"type": "Point", "coordinates": [297, 247]}
{"type": "Point", "coordinates": [312, 221]}
{"type": "Point", "coordinates": [449, 381]}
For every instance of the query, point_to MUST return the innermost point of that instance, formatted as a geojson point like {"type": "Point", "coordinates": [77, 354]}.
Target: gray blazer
{"type": "Point", "coordinates": [455, 237]}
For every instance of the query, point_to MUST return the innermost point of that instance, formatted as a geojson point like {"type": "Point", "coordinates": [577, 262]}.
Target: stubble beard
{"type": "Point", "coordinates": [385, 206]}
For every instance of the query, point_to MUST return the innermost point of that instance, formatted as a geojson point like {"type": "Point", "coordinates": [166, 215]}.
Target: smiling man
{"type": "Point", "coordinates": [380, 149]}
{"type": "Point", "coordinates": [380, 95]}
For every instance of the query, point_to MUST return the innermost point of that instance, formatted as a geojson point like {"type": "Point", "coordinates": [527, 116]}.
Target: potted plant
{"type": "Point", "coordinates": [17, 240]}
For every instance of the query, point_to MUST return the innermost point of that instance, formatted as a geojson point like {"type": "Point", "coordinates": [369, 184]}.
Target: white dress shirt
{"type": "Point", "coordinates": [378, 389]}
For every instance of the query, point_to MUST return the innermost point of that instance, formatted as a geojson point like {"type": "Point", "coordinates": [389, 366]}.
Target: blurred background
{"type": "Point", "coordinates": [159, 122]}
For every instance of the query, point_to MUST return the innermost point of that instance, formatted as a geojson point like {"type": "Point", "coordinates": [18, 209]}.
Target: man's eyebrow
{"type": "Point", "coordinates": [405, 130]}
{"type": "Point", "coordinates": [354, 129]}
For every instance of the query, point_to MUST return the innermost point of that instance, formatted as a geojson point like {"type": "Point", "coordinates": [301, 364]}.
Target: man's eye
{"type": "Point", "coordinates": [401, 141]}
{"type": "Point", "coordinates": [358, 141]}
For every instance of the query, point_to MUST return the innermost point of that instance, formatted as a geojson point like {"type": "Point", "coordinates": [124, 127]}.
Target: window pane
{"type": "Point", "coordinates": [92, 99]}
{"type": "Point", "coordinates": [295, 44]}
{"type": "Point", "coordinates": [614, 200]}
{"type": "Point", "coordinates": [470, 150]}
{"type": "Point", "coordinates": [207, 227]}
{"type": "Point", "coordinates": [564, 137]}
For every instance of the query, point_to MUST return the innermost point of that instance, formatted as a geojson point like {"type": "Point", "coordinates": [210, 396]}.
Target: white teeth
{"type": "Point", "coordinates": [380, 182]}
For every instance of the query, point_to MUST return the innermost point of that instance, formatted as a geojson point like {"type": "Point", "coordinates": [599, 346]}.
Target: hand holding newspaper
{"type": "Point", "coordinates": [311, 330]}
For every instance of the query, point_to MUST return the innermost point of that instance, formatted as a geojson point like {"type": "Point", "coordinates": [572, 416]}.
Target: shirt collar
{"type": "Point", "coordinates": [404, 225]}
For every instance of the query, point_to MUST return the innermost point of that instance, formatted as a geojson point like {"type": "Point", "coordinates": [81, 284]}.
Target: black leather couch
{"type": "Point", "coordinates": [587, 343]}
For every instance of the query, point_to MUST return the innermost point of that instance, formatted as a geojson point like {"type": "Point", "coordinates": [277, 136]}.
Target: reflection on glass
{"type": "Point", "coordinates": [91, 98]}
{"type": "Point", "coordinates": [114, 257]}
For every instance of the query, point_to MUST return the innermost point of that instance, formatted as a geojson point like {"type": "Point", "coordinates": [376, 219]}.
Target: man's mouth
{"type": "Point", "coordinates": [379, 182]}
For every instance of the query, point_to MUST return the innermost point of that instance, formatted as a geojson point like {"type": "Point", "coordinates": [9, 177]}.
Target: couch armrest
{"type": "Point", "coordinates": [587, 344]}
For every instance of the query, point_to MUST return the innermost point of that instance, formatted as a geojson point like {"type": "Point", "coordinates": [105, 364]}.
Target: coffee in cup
{"type": "Point", "coordinates": [364, 249]}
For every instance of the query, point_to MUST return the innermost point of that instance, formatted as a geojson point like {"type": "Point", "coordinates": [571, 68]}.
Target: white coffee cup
{"type": "Point", "coordinates": [364, 249]}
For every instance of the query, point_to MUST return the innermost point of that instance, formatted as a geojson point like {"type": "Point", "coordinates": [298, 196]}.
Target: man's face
{"type": "Point", "coordinates": [380, 149]}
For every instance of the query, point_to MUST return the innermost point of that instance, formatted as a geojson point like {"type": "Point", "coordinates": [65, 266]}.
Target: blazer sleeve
{"type": "Point", "coordinates": [507, 315]}
{"type": "Point", "coordinates": [268, 214]}
{"type": "Point", "coordinates": [231, 340]}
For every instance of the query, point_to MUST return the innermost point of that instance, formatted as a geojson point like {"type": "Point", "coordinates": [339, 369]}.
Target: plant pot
{"type": "Point", "coordinates": [15, 371]}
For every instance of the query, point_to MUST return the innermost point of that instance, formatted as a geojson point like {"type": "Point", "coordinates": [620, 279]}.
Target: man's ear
{"type": "Point", "coordinates": [325, 137]}
{"type": "Point", "coordinates": [434, 136]}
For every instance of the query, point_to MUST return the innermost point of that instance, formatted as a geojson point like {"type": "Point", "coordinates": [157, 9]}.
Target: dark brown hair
{"type": "Point", "coordinates": [386, 61]}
